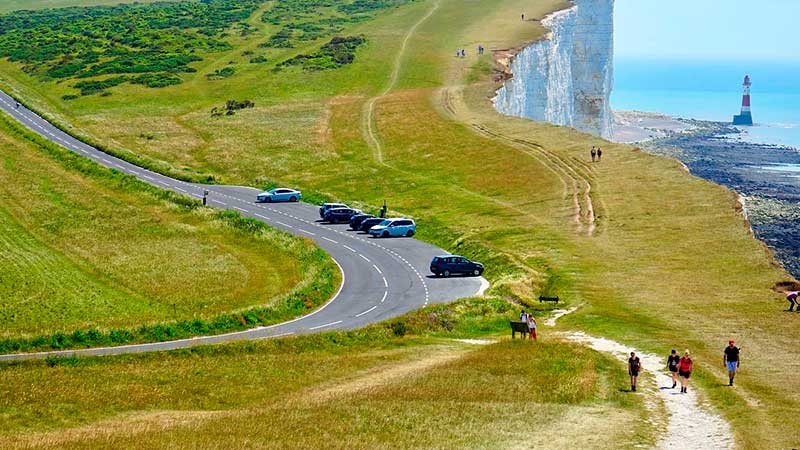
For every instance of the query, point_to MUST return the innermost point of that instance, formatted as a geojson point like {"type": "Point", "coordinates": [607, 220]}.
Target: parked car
{"type": "Point", "coordinates": [279, 195]}
{"type": "Point", "coordinates": [340, 215]}
{"type": "Point", "coordinates": [355, 221]}
{"type": "Point", "coordinates": [444, 266]}
{"type": "Point", "coordinates": [394, 227]}
{"type": "Point", "coordinates": [326, 206]}
{"type": "Point", "coordinates": [366, 224]}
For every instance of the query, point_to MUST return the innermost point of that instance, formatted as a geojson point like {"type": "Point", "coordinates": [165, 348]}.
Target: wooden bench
{"type": "Point", "coordinates": [519, 327]}
{"type": "Point", "coordinates": [542, 298]}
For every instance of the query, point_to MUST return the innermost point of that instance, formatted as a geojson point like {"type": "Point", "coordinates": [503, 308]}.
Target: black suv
{"type": "Point", "coordinates": [443, 266]}
{"type": "Point", "coordinates": [355, 221]}
{"type": "Point", "coordinates": [366, 224]}
{"type": "Point", "coordinates": [340, 215]}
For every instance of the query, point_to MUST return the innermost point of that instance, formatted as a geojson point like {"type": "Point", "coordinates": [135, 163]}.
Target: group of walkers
{"type": "Point", "coordinates": [462, 52]}
{"type": "Point", "coordinates": [681, 367]}
{"type": "Point", "coordinates": [531, 321]}
{"type": "Point", "coordinates": [597, 154]}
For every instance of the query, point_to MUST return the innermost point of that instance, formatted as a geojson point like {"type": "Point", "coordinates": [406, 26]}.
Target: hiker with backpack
{"type": "Point", "coordinates": [634, 367]}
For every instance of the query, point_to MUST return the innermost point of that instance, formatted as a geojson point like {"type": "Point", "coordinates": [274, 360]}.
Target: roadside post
{"type": "Point", "coordinates": [205, 196]}
{"type": "Point", "coordinates": [382, 213]}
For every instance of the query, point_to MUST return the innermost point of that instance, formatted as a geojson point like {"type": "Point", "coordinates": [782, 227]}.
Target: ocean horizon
{"type": "Point", "coordinates": [712, 90]}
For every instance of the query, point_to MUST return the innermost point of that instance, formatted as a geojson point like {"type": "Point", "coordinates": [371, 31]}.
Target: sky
{"type": "Point", "coordinates": [722, 30]}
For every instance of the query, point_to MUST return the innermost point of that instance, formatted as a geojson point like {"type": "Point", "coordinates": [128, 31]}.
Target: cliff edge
{"type": "Point", "coordinates": [566, 78]}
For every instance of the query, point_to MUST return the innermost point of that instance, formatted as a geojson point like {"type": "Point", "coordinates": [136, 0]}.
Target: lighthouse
{"type": "Point", "coordinates": [745, 118]}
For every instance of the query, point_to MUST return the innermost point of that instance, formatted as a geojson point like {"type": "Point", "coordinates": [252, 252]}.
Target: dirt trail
{"type": "Point", "coordinates": [575, 178]}
{"type": "Point", "coordinates": [369, 107]}
{"type": "Point", "coordinates": [691, 424]}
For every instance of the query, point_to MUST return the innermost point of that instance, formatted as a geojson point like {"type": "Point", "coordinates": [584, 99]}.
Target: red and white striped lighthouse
{"type": "Point", "coordinates": [745, 118]}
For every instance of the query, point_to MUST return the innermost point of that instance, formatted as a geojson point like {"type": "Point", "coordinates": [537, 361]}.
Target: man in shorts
{"type": "Point", "coordinates": [731, 361]}
{"type": "Point", "coordinates": [634, 367]}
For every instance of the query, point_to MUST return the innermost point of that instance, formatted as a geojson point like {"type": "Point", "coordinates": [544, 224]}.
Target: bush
{"type": "Point", "coordinates": [399, 328]}
{"type": "Point", "coordinates": [340, 51]}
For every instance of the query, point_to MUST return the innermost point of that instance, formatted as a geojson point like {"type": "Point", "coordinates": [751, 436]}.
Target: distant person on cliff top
{"type": "Point", "coordinates": [634, 367]}
{"type": "Point", "coordinates": [523, 17]}
{"type": "Point", "coordinates": [594, 153]}
{"type": "Point", "coordinates": [794, 304]}
{"type": "Point", "coordinates": [731, 361]}
{"type": "Point", "coordinates": [463, 53]}
{"type": "Point", "coordinates": [599, 154]}
{"type": "Point", "coordinates": [672, 365]}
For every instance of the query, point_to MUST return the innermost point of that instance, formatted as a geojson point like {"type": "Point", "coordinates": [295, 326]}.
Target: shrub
{"type": "Point", "coordinates": [399, 328]}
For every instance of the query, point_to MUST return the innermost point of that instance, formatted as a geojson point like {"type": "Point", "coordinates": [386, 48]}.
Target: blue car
{"type": "Point", "coordinates": [394, 228]}
{"type": "Point", "coordinates": [279, 195]}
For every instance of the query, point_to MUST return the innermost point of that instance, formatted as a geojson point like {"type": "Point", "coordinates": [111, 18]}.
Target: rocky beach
{"type": "Point", "coordinates": [767, 177]}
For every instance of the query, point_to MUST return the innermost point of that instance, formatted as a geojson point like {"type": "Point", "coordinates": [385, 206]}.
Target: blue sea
{"type": "Point", "coordinates": [713, 91]}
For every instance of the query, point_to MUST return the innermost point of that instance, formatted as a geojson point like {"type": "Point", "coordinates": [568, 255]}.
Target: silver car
{"type": "Point", "coordinates": [279, 195]}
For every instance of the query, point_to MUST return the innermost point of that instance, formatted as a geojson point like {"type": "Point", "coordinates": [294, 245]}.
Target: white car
{"type": "Point", "coordinates": [394, 228]}
{"type": "Point", "coordinates": [279, 195]}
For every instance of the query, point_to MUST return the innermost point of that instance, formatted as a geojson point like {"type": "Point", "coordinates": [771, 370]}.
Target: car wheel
{"type": "Point", "coordinates": [385, 234]}
{"type": "Point", "coordinates": [476, 272]}
{"type": "Point", "coordinates": [410, 233]}
{"type": "Point", "coordinates": [446, 273]}
{"type": "Point", "coordinates": [268, 200]}
{"type": "Point", "coordinates": [292, 199]}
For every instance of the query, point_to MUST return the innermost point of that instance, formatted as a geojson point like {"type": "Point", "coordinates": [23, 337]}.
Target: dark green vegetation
{"type": "Point", "coordinates": [160, 39]}
{"type": "Point", "coordinates": [230, 108]}
{"type": "Point", "coordinates": [308, 20]}
{"type": "Point", "coordinates": [339, 52]}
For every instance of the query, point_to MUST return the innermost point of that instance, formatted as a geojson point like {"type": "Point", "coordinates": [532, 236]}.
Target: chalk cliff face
{"type": "Point", "coordinates": [566, 78]}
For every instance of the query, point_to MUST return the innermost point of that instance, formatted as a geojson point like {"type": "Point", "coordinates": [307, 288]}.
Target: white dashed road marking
{"type": "Point", "coordinates": [326, 325]}
{"type": "Point", "coordinates": [329, 240]}
{"type": "Point", "coordinates": [367, 311]}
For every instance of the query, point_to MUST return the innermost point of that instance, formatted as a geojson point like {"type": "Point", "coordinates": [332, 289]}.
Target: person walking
{"type": "Point", "coordinates": [523, 316]}
{"type": "Point", "coordinates": [685, 366]}
{"type": "Point", "coordinates": [463, 53]}
{"type": "Point", "coordinates": [523, 17]}
{"type": "Point", "coordinates": [532, 326]}
{"type": "Point", "coordinates": [599, 154]}
{"type": "Point", "coordinates": [794, 304]}
{"type": "Point", "coordinates": [634, 367]}
{"type": "Point", "coordinates": [731, 361]}
{"type": "Point", "coordinates": [594, 153]}
{"type": "Point", "coordinates": [672, 365]}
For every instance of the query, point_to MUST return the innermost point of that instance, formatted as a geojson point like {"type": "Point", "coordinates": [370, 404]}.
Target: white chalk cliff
{"type": "Point", "coordinates": [566, 78]}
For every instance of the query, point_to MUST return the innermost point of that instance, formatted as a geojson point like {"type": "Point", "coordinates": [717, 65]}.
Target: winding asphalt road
{"type": "Point", "coordinates": [381, 278]}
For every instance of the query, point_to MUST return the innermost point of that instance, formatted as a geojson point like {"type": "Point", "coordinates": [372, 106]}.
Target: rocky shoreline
{"type": "Point", "coordinates": [767, 177]}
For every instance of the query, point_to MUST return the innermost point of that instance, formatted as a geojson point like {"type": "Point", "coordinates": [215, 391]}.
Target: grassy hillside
{"type": "Point", "coordinates": [358, 389]}
{"type": "Point", "coordinates": [659, 259]}
{"type": "Point", "coordinates": [87, 248]}
{"type": "Point", "coordinates": [14, 5]}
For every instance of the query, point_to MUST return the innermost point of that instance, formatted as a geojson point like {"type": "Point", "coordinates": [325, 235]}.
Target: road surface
{"type": "Point", "coordinates": [381, 278]}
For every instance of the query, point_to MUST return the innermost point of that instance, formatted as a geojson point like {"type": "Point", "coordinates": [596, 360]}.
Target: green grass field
{"type": "Point", "coordinates": [357, 389]}
{"type": "Point", "coordinates": [667, 262]}
{"type": "Point", "coordinates": [85, 248]}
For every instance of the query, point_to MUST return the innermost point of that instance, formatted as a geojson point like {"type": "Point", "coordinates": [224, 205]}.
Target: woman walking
{"type": "Point", "coordinates": [685, 366]}
{"type": "Point", "coordinates": [532, 326]}
{"type": "Point", "coordinates": [672, 365]}
{"type": "Point", "coordinates": [634, 367]}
